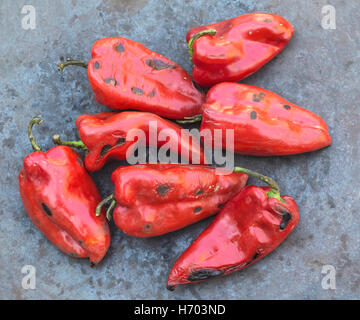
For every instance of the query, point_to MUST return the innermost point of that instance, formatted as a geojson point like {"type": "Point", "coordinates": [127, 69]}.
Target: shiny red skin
{"type": "Point", "coordinates": [240, 47]}
{"type": "Point", "coordinates": [57, 178]}
{"type": "Point", "coordinates": [102, 131]}
{"type": "Point", "coordinates": [264, 123]}
{"type": "Point", "coordinates": [245, 231]}
{"type": "Point", "coordinates": [160, 198]}
{"type": "Point", "coordinates": [165, 88]}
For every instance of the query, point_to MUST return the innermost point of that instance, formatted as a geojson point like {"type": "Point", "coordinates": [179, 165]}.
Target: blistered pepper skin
{"type": "Point", "coordinates": [264, 123]}
{"type": "Point", "coordinates": [124, 74]}
{"type": "Point", "coordinates": [60, 198]}
{"type": "Point", "coordinates": [239, 48]}
{"type": "Point", "coordinates": [160, 198]}
{"type": "Point", "coordinates": [249, 227]}
{"type": "Point", "coordinates": [106, 136]}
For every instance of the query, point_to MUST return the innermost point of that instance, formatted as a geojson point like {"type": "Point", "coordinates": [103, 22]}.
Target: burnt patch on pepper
{"type": "Point", "coordinates": [253, 115]}
{"type": "Point", "coordinates": [152, 93]}
{"type": "Point", "coordinates": [137, 91]}
{"type": "Point", "coordinates": [158, 64]}
{"type": "Point", "coordinates": [46, 209]}
{"type": "Point", "coordinates": [258, 97]}
{"type": "Point", "coordinates": [147, 227]}
{"type": "Point", "coordinates": [256, 255]}
{"type": "Point", "coordinates": [162, 189]}
{"type": "Point", "coordinates": [111, 81]}
{"type": "Point", "coordinates": [105, 149]}
{"type": "Point", "coordinates": [287, 107]}
{"type": "Point", "coordinates": [197, 209]}
{"type": "Point", "coordinates": [286, 217]}
{"type": "Point", "coordinates": [120, 47]}
{"type": "Point", "coordinates": [204, 274]}
{"type": "Point", "coordinates": [120, 141]}
{"type": "Point", "coordinates": [199, 192]}
{"type": "Point", "coordinates": [96, 65]}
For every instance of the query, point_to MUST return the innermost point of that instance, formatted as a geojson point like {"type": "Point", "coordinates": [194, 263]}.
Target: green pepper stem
{"type": "Point", "coordinates": [71, 62]}
{"type": "Point", "coordinates": [274, 187]}
{"type": "Point", "coordinates": [101, 204]}
{"type": "Point", "coordinates": [192, 119]}
{"type": "Point", "coordinates": [74, 144]}
{"type": "Point", "coordinates": [110, 209]}
{"type": "Point", "coordinates": [196, 36]}
{"type": "Point", "coordinates": [34, 120]}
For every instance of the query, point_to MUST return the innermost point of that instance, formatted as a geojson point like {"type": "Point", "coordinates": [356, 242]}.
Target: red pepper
{"type": "Point", "coordinates": [156, 199]}
{"type": "Point", "coordinates": [264, 123]}
{"type": "Point", "coordinates": [124, 74]}
{"type": "Point", "coordinates": [249, 227]}
{"type": "Point", "coordinates": [105, 136]}
{"type": "Point", "coordinates": [234, 49]}
{"type": "Point", "coordinates": [60, 198]}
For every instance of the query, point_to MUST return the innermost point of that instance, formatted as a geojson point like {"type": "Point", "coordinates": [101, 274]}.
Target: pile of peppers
{"type": "Point", "coordinates": [150, 200]}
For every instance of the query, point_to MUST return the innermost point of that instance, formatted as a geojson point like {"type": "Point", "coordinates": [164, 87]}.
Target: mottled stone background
{"type": "Point", "coordinates": [317, 70]}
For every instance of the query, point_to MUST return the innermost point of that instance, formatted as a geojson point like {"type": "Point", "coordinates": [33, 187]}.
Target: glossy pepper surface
{"type": "Point", "coordinates": [60, 198]}
{"type": "Point", "coordinates": [111, 135]}
{"type": "Point", "coordinates": [250, 226]}
{"type": "Point", "coordinates": [124, 74]}
{"type": "Point", "coordinates": [264, 123]}
{"type": "Point", "coordinates": [234, 49]}
{"type": "Point", "coordinates": [156, 199]}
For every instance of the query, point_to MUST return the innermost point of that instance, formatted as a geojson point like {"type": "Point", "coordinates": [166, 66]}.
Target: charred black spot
{"type": "Point", "coordinates": [170, 288]}
{"type": "Point", "coordinates": [258, 97]}
{"type": "Point", "coordinates": [256, 255]}
{"type": "Point", "coordinates": [111, 81]}
{"type": "Point", "coordinates": [203, 274]}
{"type": "Point", "coordinates": [147, 227]}
{"type": "Point", "coordinates": [287, 107]}
{"type": "Point", "coordinates": [137, 91]}
{"type": "Point", "coordinates": [197, 209]}
{"type": "Point", "coordinates": [105, 149]}
{"type": "Point", "coordinates": [96, 65]}
{"type": "Point", "coordinates": [46, 209]}
{"type": "Point", "coordinates": [253, 115]}
{"type": "Point", "coordinates": [221, 205]}
{"type": "Point", "coordinates": [120, 48]}
{"type": "Point", "coordinates": [120, 141]}
{"type": "Point", "coordinates": [286, 217]}
{"type": "Point", "coordinates": [158, 64]}
{"type": "Point", "coordinates": [199, 192]}
{"type": "Point", "coordinates": [162, 190]}
{"type": "Point", "coordinates": [152, 93]}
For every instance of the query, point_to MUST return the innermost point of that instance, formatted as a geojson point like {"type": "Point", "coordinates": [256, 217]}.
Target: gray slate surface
{"type": "Point", "coordinates": [317, 70]}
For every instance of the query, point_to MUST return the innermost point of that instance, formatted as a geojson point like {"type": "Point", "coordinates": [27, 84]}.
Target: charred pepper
{"type": "Point", "coordinates": [60, 198]}
{"type": "Point", "coordinates": [250, 226]}
{"type": "Point", "coordinates": [152, 200]}
{"type": "Point", "coordinates": [236, 48]}
{"type": "Point", "coordinates": [124, 74]}
{"type": "Point", "coordinates": [108, 135]}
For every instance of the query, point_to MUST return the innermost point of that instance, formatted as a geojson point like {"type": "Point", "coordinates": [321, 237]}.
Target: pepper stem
{"type": "Point", "coordinates": [274, 187]}
{"type": "Point", "coordinates": [101, 204]}
{"type": "Point", "coordinates": [34, 120]}
{"type": "Point", "coordinates": [74, 144]}
{"type": "Point", "coordinates": [192, 119]}
{"type": "Point", "coordinates": [71, 62]}
{"type": "Point", "coordinates": [196, 36]}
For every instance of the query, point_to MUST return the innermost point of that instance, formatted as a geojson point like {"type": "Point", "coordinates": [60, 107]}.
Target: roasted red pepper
{"type": "Point", "coordinates": [124, 74]}
{"type": "Point", "coordinates": [264, 123]}
{"type": "Point", "coordinates": [234, 49]}
{"type": "Point", "coordinates": [60, 198]}
{"type": "Point", "coordinates": [156, 199]}
{"type": "Point", "coordinates": [249, 227]}
{"type": "Point", "coordinates": [104, 136]}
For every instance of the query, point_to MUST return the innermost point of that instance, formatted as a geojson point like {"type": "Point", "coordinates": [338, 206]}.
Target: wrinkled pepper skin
{"type": "Point", "coordinates": [60, 198]}
{"type": "Point", "coordinates": [124, 74]}
{"type": "Point", "coordinates": [239, 48]}
{"type": "Point", "coordinates": [160, 198]}
{"type": "Point", "coordinates": [105, 134]}
{"type": "Point", "coordinates": [249, 227]}
{"type": "Point", "coordinates": [264, 123]}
